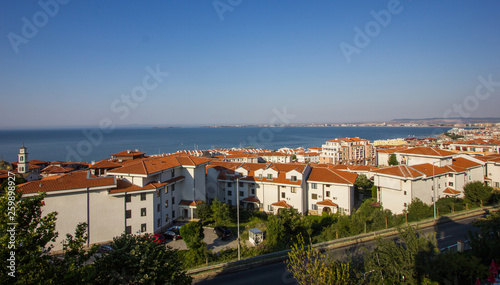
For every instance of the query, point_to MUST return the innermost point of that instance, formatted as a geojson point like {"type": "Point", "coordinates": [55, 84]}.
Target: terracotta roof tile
{"type": "Point", "coordinates": [399, 170]}
{"type": "Point", "coordinates": [252, 199]}
{"type": "Point", "coordinates": [327, 202]}
{"type": "Point", "coordinates": [320, 174]}
{"type": "Point", "coordinates": [429, 151]}
{"type": "Point", "coordinates": [72, 180]}
{"type": "Point", "coordinates": [282, 203]}
{"type": "Point", "coordinates": [190, 203]}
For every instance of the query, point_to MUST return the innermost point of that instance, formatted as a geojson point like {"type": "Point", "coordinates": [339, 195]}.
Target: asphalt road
{"type": "Point", "coordinates": [446, 234]}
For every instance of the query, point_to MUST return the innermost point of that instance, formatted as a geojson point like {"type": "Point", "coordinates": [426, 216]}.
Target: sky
{"type": "Point", "coordinates": [131, 63]}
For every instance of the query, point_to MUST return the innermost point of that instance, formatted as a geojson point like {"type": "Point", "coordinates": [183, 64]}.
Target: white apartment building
{"type": "Point", "coordinates": [146, 195]}
{"type": "Point", "coordinates": [330, 190]}
{"type": "Point", "coordinates": [419, 155]}
{"type": "Point", "coordinates": [354, 151]}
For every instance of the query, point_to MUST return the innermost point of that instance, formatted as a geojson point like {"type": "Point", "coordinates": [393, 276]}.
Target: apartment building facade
{"type": "Point", "coordinates": [353, 151]}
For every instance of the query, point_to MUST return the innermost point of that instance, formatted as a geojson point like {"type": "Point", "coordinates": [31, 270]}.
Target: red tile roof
{"type": "Point", "coordinates": [190, 203]}
{"type": "Point", "coordinates": [282, 203]}
{"type": "Point", "coordinates": [327, 202]}
{"type": "Point", "coordinates": [451, 191]}
{"type": "Point", "coordinates": [428, 151]}
{"type": "Point", "coordinates": [125, 186]}
{"type": "Point", "coordinates": [130, 153]}
{"type": "Point", "coordinates": [399, 170]}
{"type": "Point", "coordinates": [56, 169]}
{"type": "Point", "coordinates": [356, 139]}
{"type": "Point", "coordinates": [464, 162]}
{"type": "Point", "coordinates": [156, 164]}
{"type": "Point", "coordinates": [72, 180]}
{"type": "Point", "coordinates": [252, 199]}
{"type": "Point", "coordinates": [429, 169]}
{"type": "Point", "coordinates": [320, 174]}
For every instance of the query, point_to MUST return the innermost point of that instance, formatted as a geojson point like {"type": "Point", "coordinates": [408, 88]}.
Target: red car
{"type": "Point", "coordinates": [158, 238]}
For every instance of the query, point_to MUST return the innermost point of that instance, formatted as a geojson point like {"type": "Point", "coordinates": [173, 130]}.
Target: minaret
{"type": "Point", "coordinates": [22, 161]}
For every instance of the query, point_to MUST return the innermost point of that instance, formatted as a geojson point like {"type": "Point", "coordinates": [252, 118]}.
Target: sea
{"type": "Point", "coordinates": [93, 144]}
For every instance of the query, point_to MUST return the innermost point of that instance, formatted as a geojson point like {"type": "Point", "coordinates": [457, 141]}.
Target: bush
{"type": "Point", "coordinates": [449, 205]}
{"type": "Point", "coordinates": [418, 210]}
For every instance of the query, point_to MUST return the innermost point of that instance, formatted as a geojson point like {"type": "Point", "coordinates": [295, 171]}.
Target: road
{"type": "Point", "coordinates": [446, 234]}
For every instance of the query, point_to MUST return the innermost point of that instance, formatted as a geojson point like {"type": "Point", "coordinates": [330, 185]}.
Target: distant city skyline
{"type": "Point", "coordinates": [166, 63]}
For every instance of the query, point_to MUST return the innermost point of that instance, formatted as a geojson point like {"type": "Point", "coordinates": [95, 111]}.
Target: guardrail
{"type": "Point", "coordinates": [337, 243]}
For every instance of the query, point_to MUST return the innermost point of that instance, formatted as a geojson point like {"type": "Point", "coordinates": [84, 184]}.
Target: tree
{"type": "Point", "coordinates": [418, 210]}
{"type": "Point", "coordinates": [363, 182]}
{"type": "Point", "coordinates": [138, 260]}
{"type": "Point", "coordinates": [392, 160]}
{"type": "Point", "coordinates": [374, 191]}
{"type": "Point", "coordinates": [221, 212]}
{"type": "Point", "coordinates": [476, 192]}
{"type": "Point", "coordinates": [203, 211]}
{"type": "Point", "coordinates": [24, 232]}
{"type": "Point", "coordinates": [284, 228]}
{"type": "Point", "coordinates": [192, 234]}
{"type": "Point", "coordinates": [407, 261]}
{"type": "Point", "coordinates": [309, 266]}
{"type": "Point", "coordinates": [485, 244]}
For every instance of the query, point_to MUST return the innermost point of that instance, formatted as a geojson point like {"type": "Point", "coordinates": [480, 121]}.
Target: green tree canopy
{"type": "Point", "coordinates": [221, 212]}
{"type": "Point", "coordinates": [284, 228]}
{"type": "Point", "coordinates": [406, 261]}
{"type": "Point", "coordinates": [477, 193]}
{"type": "Point", "coordinates": [138, 260]}
{"type": "Point", "coordinates": [393, 160]}
{"type": "Point", "coordinates": [204, 211]}
{"type": "Point", "coordinates": [192, 234]}
{"type": "Point", "coordinates": [362, 181]}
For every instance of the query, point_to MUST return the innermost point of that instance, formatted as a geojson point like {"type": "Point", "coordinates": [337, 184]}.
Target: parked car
{"type": "Point", "coordinates": [105, 248]}
{"type": "Point", "coordinates": [223, 232]}
{"type": "Point", "coordinates": [172, 235]}
{"type": "Point", "coordinates": [175, 229]}
{"type": "Point", "coordinates": [158, 238]}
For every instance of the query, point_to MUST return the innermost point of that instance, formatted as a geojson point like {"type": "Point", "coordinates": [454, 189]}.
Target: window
{"type": "Point", "coordinates": [143, 228]}
{"type": "Point", "coordinates": [166, 203]}
{"type": "Point", "coordinates": [229, 184]}
{"type": "Point", "coordinates": [405, 204]}
{"type": "Point", "coordinates": [173, 214]}
{"type": "Point", "coordinates": [269, 176]}
{"type": "Point", "coordinates": [143, 196]}
{"type": "Point", "coordinates": [314, 196]}
{"type": "Point", "coordinates": [143, 212]}
{"type": "Point", "coordinates": [283, 195]}
{"type": "Point", "coordinates": [230, 202]}
{"type": "Point", "coordinates": [166, 190]}
{"type": "Point", "coordinates": [128, 198]}
{"type": "Point", "coordinates": [269, 207]}
{"type": "Point", "coordinates": [314, 207]}
{"type": "Point", "coordinates": [451, 183]}
{"type": "Point", "coordinates": [166, 218]}
{"type": "Point", "coordinates": [173, 200]}
{"type": "Point", "coordinates": [260, 176]}
{"type": "Point", "coordinates": [22, 158]}
{"type": "Point", "coordinates": [327, 193]}
{"type": "Point", "coordinates": [128, 229]}
{"type": "Point", "coordinates": [158, 193]}
{"type": "Point", "coordinates": [293, 189]}
{"type": "Point", "coordinates": [173, 173]}
{"type": "Point", "coordinates": [253, 191]}
{"type": "Point", "coordinates": [229, 193]}
{"type": "Point", "coordinates": [450, 175]}
{"type": "Point", "coordinates": [157, 207]}
{"type": "Point", "coordinates": [404, 192]}
{"type": "Point", "coordinates": [314, 186]}
{"type": "Point", "coordinates": [173, 187]}
{"type": "Point", "coordinates": [128, 214]}
{"type": "Point", "coordinates": [240, 184]}
{"type": "Point", "coordinates": [158, 223]}
{"type": "Point", "coordinates": [293, 178]}
{"type": "Point", "coordinates": [241, 193]}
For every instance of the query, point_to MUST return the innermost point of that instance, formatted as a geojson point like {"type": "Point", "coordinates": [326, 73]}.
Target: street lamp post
{"type": "Point", "coordinates": [434, 188]}
{"type": "Point", "coordinates": [238, 214]}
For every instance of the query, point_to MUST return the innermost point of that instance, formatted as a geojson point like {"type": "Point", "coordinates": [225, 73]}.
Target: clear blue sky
{"type": "Point", "coordinates": [237, 66]}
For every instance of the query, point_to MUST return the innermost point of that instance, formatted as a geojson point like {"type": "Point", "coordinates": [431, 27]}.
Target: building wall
{"type": "Point", "coordinates": [106, 216]}
{"type": "Point", "coordinates": [493, 172]}
{"type": "Point", "coordinates": [135, 206]}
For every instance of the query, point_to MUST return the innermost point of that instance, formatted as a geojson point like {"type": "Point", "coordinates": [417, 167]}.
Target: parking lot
{"type": "Point", "coordinates": [214, 243]}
